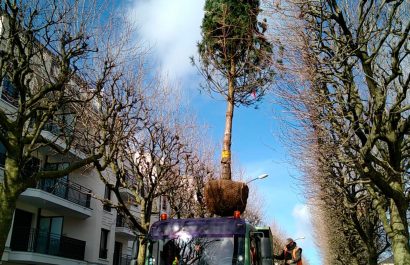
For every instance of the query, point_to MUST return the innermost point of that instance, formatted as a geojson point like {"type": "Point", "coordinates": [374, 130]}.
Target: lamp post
{"type": "Point", "coordinates": [259, 177]}
{"type": "Point", "coordinates": [302, 237]}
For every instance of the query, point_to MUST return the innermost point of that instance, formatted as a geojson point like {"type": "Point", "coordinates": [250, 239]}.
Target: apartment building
{"type": "Point", "coordinates": [63, 221]}
{"type": "Point", "coordinates": [60, 221]}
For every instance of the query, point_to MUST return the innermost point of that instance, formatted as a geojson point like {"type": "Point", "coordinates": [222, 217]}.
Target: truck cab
{"type": "Point", "coordinates": [208, 241]}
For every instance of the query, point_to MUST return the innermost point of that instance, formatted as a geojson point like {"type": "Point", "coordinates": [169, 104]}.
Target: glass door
{"type": "Point", "coordinates": [49, 235]}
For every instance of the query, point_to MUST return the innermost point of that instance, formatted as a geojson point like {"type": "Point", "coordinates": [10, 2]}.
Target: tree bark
{"type": "Point", "coordinates": [145, 222]}
{"type": "Point", "coordinates": [227, 139]}
{"type": "Point", "coordinates": [7, 207]}
{"type": "Point", "coordinates": [10, 189]}
{"type": "Point", "coordinates": [142, 252]}
{"type": "Point", "coordinates": [399, 237]}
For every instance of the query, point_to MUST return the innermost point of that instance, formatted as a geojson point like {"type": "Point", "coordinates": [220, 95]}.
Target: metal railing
{"type": "Point", "coordinates": [69, 133]}
{"type": "Point", "coordinates": [33, 240]}
{"type": "Point", "coordinates": [68, 190]}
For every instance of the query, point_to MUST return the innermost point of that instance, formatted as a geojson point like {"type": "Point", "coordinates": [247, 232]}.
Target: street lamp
{"type": "Point", "coordinates": [302, 237]}
{"type": "Point", "coordinates": [259, 177]}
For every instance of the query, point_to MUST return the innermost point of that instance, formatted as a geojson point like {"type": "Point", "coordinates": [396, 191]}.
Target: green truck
{"type": "Point", "coordinates": [208, 241]}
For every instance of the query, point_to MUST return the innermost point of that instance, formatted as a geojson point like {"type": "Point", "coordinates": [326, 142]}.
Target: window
{"type": "Point", "coordinates": [107, 196]}
{"type": "Point", "coordinates": [56, 186]}
{"type": "Point", "coordinates": [117, 253]}
{"type": "Point", "coordinates": [103, 243]}
{"type": "Point", "coordinates": [9, 93]}
{"type": "Point", "coordinates": [61, 124]}
{"type": "Point", "coordinates": [2, 155]}
{"type": "Point", "coordinates": [49, 235]}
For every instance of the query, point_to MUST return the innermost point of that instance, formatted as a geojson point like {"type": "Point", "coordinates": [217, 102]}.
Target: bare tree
{"type": "Point", "coordinates": [254, 212]}
{"type": "Point", "coordinates": [54, 72]}
{"type": "Point", "coordinates": [188, 201]}
{"type": "Point", "coordinates": [357, 54]}
{"type": "Point", "coordinates": [154, 161]}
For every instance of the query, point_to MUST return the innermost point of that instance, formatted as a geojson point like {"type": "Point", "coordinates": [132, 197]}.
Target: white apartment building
{"type": "Point", "coordinates": [61, 221]}
{"type": "Point", "coordinates": [58, 221]}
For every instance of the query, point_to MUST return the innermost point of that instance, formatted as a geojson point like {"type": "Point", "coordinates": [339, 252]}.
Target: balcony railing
{"type": "Point", "coordinates": [70, 191]}
{"type": "Point", "coordinates": [33, 240]}
{"type": "Point", "coordinates": [69, 133]}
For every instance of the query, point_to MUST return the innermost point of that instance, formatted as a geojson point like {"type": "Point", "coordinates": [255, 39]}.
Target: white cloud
{"type": "Point", "coordinates": [301, 213]}
{"type": "Point", "coordinates": [172, 28]}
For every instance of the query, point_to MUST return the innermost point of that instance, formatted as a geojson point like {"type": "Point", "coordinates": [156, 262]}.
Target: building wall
{"type": "Point", "coordinates": [88, 229]}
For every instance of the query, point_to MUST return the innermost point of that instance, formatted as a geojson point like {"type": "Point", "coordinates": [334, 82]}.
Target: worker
{"type": "Point", "coordinates": [291, 253]}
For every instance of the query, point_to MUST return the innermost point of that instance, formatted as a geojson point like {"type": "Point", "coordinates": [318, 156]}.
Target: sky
{"type": "Point", "coordinates": [172, 29]}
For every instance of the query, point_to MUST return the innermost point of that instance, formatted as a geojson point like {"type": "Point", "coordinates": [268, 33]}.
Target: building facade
{"type": "Point", "coordinates": [61, 221]}
{"type": "Point", "coordinates": [64, 221]}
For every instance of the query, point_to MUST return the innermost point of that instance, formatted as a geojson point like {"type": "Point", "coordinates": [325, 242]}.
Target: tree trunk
{"type": "Point", "coordinates": [372, 254]}
{"type": "Point", "coordinates": [227, 140]}
{"type": "Point", "coordinates": [142, 252]}
{"type": "Point", "coordinates": [400, 236]}
{"type": "Point", "coordinates": [10, 189]}
{"type": "Point", "coordinates": [7, 207]}
{"type": "Point", "coordinates": [145, 222]}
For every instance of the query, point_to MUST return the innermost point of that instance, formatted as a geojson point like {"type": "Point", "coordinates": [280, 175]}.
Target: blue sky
{"type": "Point", "coordinates": [172, 28]}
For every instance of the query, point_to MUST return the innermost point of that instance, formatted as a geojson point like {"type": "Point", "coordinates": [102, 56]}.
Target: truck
{"type": "Point", "coordinates": [208, 241]}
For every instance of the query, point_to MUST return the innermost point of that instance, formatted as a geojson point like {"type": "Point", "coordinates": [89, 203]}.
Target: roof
{"type": "Point", "coordinates": [197, 227]}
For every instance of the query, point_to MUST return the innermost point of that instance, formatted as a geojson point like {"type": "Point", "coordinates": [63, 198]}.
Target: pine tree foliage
{"type": "Point", "coordinates": [234, 48]}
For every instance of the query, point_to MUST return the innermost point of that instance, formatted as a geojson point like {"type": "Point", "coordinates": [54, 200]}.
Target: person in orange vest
{"type": "Point", "coordinates": [291, 253]}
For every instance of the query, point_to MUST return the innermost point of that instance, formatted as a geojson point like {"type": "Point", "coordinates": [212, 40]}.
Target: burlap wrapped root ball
{"type": "Point", "coordinates": [223, 197]}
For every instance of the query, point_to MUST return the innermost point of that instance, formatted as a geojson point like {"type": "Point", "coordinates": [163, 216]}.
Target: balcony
{"type": "Point", "coordinates": [61, 196]}
{"type": "Point", "coordinates": [68, 190]}
{"type": "Point", "coordinates": [57, 130]}
{"type": "Point", "coordinates": [41, 244]}
{"type": "Point", "coordinates": [61, 133]}
{"type": "Point", "coordinates": [124, 228]}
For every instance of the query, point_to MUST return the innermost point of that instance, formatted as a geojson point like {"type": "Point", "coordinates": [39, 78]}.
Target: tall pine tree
{"type": "Point", "coordinates": [235, 59]}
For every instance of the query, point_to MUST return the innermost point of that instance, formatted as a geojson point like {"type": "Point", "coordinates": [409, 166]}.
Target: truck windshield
{"type": "Point", "coordinates": [197, 251]}
{"type": "Point", "coordinates": [207, 241]}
